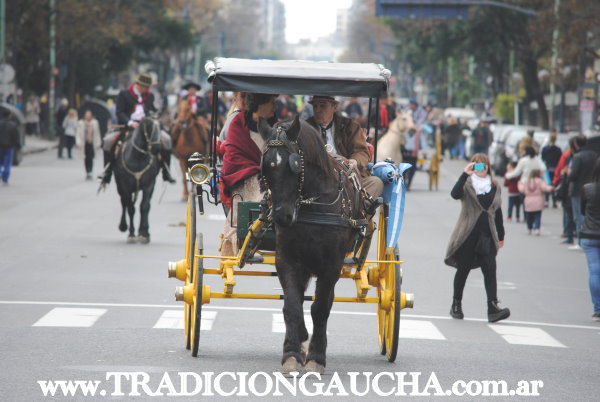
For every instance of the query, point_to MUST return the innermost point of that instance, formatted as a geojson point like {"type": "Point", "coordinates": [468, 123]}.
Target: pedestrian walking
{"type": "Point", "coordinates": [32, 116]}
{"type": "Point", "coordinates": [551, 154]}
{"type": "Point", "coordinates": [561, 185]}
{"type": "Point", "coordinates": [590, 235]}
{"type": "Point", "coordinates": [533, 203]}
{"type": "Point", "coordinates": [61, 113]}
{"type": "Point", "coordinates": [514, 195]}
{"type": "Point", "coordinates": [580, 172]}
{"type": "Point", "coordinates": [88, 140]}
{"type": "Point", "coordinates": [70, 130]}
{"type": "Point", "coordinates": [478, 234]}
{"type": "Point", "coordinates": [9, 144]}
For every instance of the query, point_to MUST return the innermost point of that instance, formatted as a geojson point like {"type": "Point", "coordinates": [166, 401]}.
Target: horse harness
{"type": "Point", "coordinates": [296, 164]}
{"type": "Point", "coordinates": [138, 175]}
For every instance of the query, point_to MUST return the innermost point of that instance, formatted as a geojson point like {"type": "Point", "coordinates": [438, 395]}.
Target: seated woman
{"type": "Point", "coordinates": [241, 161]}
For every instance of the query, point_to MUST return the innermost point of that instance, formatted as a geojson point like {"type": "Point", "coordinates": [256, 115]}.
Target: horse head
{"type": "Point", "coordinates": [283, 168]}
{"type": "Point", "coordinates": [402, 123]}
{"type": "Point", "coordinates": [147, 135]}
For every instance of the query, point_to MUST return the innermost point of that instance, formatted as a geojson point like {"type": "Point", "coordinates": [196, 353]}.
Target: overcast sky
{"type": "Point", "coordinates": [311, 18]}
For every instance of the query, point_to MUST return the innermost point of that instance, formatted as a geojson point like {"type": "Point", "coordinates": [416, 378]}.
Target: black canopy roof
{"type": "Point", "coordinates": [298, 77]}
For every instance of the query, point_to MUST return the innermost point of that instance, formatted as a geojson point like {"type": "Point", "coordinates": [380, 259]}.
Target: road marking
{"type": "Point", "coordinates": [526, 336]}
{"type": "Point", "coordinates": [278, 323]}
{"type": "Point", "coordinates": [173, 319]}
{"type": "Point", "coordinates": [70, 317]}
{"type": "Point", "coordinates": [414, 329]}
{"type": "Point", "coordinates": [360, 313]}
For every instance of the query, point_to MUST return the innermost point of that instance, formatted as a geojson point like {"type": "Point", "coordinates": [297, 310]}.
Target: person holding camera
{"type": "Point", "coordinates": [478, 234]}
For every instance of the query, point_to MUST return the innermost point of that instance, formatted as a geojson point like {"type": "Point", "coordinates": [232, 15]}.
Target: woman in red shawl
{"type": "Point", "coordinates": [241, 161]}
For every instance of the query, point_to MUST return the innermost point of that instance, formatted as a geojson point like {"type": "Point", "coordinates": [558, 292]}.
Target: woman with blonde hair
{"type": "Point", "coordinates": [70, 130]}
{"type": "Point", "coordinates": [478, 234]}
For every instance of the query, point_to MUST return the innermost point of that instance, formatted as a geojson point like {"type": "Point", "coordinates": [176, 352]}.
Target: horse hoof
{"type": "Point", "coordinates": [314, 367]}
{"type": "Point", "coordinates": [144, 239]}
{"type": "Point", "coordinates": [131, 239]}
{"type": "Point", "coordinates": [123, 227]}
{"type": "Point", "coordinates": [290, 365]}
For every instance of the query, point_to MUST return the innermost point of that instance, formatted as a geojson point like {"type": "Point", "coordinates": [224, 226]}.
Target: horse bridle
{"type": "Point", "coordinates": [148, 139]}
{"type": "Point", "coordinates": [297, 166]}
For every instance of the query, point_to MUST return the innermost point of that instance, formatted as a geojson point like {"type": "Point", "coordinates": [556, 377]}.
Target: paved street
{"type": "Point", "coordinates": [76, 301]}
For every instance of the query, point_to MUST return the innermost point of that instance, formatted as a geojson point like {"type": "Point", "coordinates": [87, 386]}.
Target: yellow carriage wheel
{"type": "Point", "coordinates": [388, 292]}
{"type": "Point", "coordinates": [190, 240]}
{"type": "Point", "coordinates": [196, 306]}
{"type": "Point", "coordinates": [381, 229]}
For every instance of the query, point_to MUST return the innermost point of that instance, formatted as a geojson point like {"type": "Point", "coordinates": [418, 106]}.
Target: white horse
{"type": "Point", "coordinates": [389, 145]}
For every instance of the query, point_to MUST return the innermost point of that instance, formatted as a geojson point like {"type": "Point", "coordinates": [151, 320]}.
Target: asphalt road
{"type": "Point", "coordinates": [77, 302]}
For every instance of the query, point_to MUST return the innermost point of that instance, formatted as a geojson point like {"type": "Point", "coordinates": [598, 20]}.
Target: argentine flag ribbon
{"type": "Point", "coordinates": [394, 194]}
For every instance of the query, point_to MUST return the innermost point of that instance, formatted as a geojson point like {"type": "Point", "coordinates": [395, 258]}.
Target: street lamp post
{"type": "Point", "coordinates": [52, 68]}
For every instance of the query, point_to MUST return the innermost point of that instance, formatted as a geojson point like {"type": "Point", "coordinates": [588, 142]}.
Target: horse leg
{"type": "Point", "coordinates": [320, 309]}
{"type": "Point", "coordinates": [183, 166]}
{"type": "Point", "coordinates": [294, 283]}
{"type": "Point", "coordinates": [123, 223]}
{"type": "Point", "coordinates": [143, 233]}
{"type": "Point", "coordinates": [131, 211]}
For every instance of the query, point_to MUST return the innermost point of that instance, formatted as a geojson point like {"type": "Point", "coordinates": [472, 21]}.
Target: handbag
{"type": "Point", "coordinates": [562, 190]}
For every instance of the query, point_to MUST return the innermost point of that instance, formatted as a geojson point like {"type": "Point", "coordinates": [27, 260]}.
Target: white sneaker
{"type": "Point", "coordinates": [575, 247]}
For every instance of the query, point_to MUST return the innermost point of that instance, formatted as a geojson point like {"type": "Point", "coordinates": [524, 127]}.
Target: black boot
{"type": "Point", "coordinates": [456, 309]}
{"type": "Point", "coordinates": [108, 164]}
{"type": "Point", "coordinates": [496, 313]}
{"type": "Point", "coordinates": [166, 161]}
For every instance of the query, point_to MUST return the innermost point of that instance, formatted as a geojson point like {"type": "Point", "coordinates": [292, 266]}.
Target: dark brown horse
{"type": "Point", "coordinates": [188, 136]}
{"type": "Point", "coordinates": [312, 204]}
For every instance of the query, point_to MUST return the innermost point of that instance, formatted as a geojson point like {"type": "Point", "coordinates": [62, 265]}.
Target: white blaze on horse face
{"type": "Point", "coordinates": [279, 159]}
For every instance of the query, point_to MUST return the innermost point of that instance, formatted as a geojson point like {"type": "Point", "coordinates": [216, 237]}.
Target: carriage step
{"type": "Point", "coordinates": [350, 261]}
{"type": "Point", "coordinates": [256, 259]}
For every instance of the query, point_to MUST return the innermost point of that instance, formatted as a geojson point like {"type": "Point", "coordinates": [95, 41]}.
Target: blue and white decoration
{"type": "Point", "coordinates": [394, 194]}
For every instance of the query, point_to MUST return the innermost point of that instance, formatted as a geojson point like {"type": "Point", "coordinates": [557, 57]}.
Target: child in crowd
{"type": "Point", "coordinates": [514, 196]}
{"type": "Point", "coordinates": [533, 204]}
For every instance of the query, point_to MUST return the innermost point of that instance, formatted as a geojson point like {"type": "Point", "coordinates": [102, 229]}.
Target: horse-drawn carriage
{"type": "Point", "coordinates": [263, 237]}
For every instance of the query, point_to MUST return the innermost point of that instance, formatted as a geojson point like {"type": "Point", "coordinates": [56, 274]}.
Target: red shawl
{"type": "Point", "coordinates": [145, 96]}
{"type": "Point", "coordinates": [241, 158]}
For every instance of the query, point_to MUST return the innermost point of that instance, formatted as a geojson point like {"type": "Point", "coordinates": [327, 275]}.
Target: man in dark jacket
{"type": "Point", "coordinates": [344, 137]}
{"type": "Point", "coordinates": [133, 104]}
{"type": "Point", "coordinates": [580, 173]}
{"type": "Point", "coordinates": [9, 143]}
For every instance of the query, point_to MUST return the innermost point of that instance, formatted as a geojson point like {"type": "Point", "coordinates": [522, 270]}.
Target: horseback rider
{"type": "Point", "coordinates": [197, 103]}
{"type": "Point", "coordinates": [133, 104]}
{"type": "Point", "coordinates": [344, 137]}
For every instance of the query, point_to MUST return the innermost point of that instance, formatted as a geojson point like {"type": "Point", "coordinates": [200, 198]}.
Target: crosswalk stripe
{"type": "Point", "coordinates": [278, 324]}
{"type": "Point", "coordinates": [417, 329]}
{"type": "Point", "coordinates": [70, 317]}
{"type": "Point", "coordinates": [173, 319]}
{"type": "Point", "coordinates": [526, 336]}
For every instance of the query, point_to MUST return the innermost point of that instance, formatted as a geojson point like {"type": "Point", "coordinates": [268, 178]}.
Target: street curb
{"type": "Point", "coordinates": [38, 150]}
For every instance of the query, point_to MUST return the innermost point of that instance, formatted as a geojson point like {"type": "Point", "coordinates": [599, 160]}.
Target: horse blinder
{"type": "Point", "coordinates": [295, 163]}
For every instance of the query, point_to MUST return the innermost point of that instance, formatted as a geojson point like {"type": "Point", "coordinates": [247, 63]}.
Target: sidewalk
{"type": "Point", "coordinates": [35, 144]}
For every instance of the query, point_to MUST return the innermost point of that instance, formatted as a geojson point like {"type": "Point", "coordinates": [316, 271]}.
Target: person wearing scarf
{"type": "Point", "coordinates": [133, 104]}
{"type": "Point", "coordinates": [477, 236]}
{"type": "Point", "coordinates": [241, 162]}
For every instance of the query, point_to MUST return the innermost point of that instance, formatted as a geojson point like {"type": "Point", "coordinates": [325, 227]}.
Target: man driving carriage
{"type": "Point", "coordinates": [344, 137]}
{"type": "Point", "coordinates": [133, 104]}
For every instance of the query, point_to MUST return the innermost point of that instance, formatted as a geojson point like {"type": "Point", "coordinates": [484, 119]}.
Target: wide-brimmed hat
{"type": "Point", "coordinates": [323, 97]}
{"type": "Point", "coordinates": [144, 79]}
{"type": "Point", "coordinates": [192, 84]}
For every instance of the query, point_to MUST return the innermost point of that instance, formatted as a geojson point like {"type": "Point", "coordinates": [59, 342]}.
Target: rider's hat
{"type": "Point", "coordinates": [192, 85]}
{"type": "Point", "coordinates": [144, 79]}
{"type": "Point", "coordinates": [323, 97]}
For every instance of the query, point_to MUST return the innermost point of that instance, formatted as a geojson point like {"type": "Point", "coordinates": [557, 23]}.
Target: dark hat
{"type": "Point", "coordinates": [144, 79]}
{"type": "Point", "coordinates": [192, 84]}
{"type": "Point", "coordinates": [413, 101]}
{"type": "Point", "coordinates": [323, 97]}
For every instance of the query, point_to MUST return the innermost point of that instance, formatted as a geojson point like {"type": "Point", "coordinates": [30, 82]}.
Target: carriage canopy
{"type": "Point", "coordinates": [298, 77]}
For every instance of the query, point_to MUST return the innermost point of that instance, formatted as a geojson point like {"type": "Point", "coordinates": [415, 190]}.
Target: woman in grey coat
{"type": "Point", "coordinates": [478, 234]}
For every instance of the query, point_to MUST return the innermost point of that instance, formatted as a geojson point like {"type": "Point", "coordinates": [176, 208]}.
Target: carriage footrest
{"type": "Point", "coordinates": [350, 261]}
{"type": "Point", "coordinates": [255, 259]}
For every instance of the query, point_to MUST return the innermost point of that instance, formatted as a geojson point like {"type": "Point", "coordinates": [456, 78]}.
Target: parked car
{"type": "Point", "coordinates": [19, 120]}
